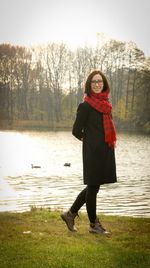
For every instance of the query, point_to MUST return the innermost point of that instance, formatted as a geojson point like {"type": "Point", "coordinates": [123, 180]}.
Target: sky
{"type": "Point", "coordinates": [75, 22]}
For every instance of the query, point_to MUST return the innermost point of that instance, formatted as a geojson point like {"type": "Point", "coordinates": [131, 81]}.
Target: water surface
{"type": "Point", "coordinates": [56, 186]}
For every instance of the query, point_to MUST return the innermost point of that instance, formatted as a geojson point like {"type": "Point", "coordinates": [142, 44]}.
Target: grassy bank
{"type": "Point", "coordinates": [39, 239]}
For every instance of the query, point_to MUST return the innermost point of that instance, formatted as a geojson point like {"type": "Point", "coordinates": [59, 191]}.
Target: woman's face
{"type": "Point", "coordinates": [97, 83]}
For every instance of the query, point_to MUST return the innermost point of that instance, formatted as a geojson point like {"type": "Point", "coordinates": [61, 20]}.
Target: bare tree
{"type": "Point", "coordinates": [56, 60]}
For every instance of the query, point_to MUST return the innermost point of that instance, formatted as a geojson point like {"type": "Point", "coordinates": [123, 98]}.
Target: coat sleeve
{"type": "Point", "coordinates": [80, 121]}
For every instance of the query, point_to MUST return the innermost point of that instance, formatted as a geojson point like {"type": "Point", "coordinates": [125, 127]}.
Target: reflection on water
{"type": "Point", "coordinates": [54, 185]}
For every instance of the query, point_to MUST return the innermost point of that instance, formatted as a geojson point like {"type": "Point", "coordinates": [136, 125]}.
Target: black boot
{"type": "Point", "coordinates": [98, 228]}
{"type": "Point", "coordinates": [68, 217]}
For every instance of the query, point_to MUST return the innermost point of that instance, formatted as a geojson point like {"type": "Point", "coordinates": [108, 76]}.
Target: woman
{"type": "Point", "coordinates": [94, 126]}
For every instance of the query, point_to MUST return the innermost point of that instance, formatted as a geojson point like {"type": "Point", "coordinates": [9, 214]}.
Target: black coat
{"type": "Point", "coordinates": [99, 165]}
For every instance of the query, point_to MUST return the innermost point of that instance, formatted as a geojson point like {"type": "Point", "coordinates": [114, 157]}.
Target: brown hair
{"type": "Point", "coordinates": [88, 82]}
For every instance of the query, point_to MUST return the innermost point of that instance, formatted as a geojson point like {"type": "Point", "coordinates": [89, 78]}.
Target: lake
{"type": "Point", "coordinates": [56, 186]}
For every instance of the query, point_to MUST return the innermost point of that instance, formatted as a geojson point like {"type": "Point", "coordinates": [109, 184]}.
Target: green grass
{"type": "Point", "coordinates": [50, 245]}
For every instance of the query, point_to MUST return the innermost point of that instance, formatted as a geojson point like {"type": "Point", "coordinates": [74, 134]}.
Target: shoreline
{"type": "Point", "coordinates": [33, 125]}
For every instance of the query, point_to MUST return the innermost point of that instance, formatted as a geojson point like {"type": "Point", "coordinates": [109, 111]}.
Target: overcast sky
{"type": "Point", "coordinates": [28, 22]}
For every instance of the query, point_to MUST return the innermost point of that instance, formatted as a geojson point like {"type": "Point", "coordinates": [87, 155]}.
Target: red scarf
{"type": "Point", "coordinates": [99, 101]}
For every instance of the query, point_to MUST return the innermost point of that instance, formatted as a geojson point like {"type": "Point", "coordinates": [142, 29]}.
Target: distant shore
{"type": "Point", "coordinates": [43, 125]}
{"type": "Point", "coordinates": [35, 125]}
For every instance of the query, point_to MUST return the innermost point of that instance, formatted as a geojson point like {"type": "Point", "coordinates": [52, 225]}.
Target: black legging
{"type": "Point", "coordinates": [88, 196]}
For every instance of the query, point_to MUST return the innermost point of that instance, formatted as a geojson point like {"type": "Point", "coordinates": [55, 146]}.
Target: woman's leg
{"type": "Point", "coordinates": [88, 196]}
{"type": "Point", "coordinates": [69, 216]}
{"type": "Point", "coordinates": [95, 225]}
{"type": "Point", "coordinates": [79, 202]}
{"type": "Point", "coordinates": [91, 195]}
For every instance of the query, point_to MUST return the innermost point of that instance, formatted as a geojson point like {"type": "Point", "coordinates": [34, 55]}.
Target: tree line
{"type": "Point", "coordinates": [46, 83]}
